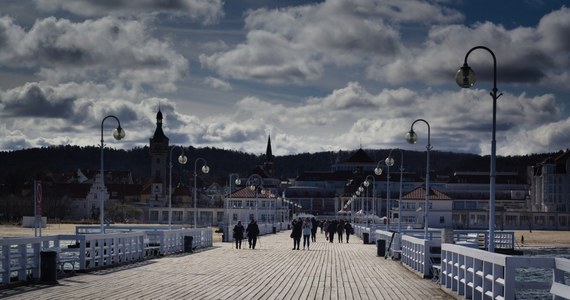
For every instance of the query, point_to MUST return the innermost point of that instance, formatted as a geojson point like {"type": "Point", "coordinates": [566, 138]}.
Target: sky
{"type": "Point", "coordinates": [315, 75]}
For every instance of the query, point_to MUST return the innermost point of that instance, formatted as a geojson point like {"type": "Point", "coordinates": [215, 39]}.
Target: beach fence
{"type": "Point", "coordinates": [25, 259]}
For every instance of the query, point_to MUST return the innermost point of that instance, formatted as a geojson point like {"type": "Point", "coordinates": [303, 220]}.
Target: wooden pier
{"type": "Point", "coordinates": [271, 271]}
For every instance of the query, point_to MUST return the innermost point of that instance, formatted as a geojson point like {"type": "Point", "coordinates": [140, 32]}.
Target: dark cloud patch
{"type": "Point", "coordinates": [33, 101]}
{"type": "Point", "coordinates": [206, 11]}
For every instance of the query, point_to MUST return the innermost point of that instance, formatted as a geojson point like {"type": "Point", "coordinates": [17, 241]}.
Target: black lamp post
{"type": "Point", "coordinates": [465, 78]}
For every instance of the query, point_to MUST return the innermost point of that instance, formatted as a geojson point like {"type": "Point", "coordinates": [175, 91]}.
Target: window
{"type": "Point", "coordinates": [441, 220]}
{"type": "Point", "coordinates": [470, 205]}
{"type": "Point", "coordinates": [511, 220]}
{"type": "Point", "coordinates": [458, 205]}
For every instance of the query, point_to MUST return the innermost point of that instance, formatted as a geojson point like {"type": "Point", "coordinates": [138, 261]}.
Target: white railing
{"type": "Point", "coordinates": [477, 274]}
{"type": "Point", "coordinates": [20, 257]}
{"type": "Point", "coordinates": [503, 239]}
{"type": "Point", "coordinates": [420, 255]}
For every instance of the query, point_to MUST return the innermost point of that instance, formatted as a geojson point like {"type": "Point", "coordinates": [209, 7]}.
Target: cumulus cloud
{"type": "Point", "coordinates": [295, 44]}
{"type": "Point", "coordinates": [525, 55]}
{"type": "Point", "coordinates": [351, 116]}
{"type": "Point", "coordinates": [103, 50]}
{"type": "Point", "coordinates": [208, 11]}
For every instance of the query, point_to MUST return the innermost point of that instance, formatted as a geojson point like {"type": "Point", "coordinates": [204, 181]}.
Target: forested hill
{"type": "Point", "coordinates": [25, 165]}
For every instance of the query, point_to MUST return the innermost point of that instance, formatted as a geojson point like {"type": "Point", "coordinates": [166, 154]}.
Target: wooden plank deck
{"type": "Point", "coordinates": [271, 271]}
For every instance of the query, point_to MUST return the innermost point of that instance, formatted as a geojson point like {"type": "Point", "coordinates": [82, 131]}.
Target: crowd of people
{"type": "Point", "coordinates": [307, 229]}
{"type": "Point", "coordinates": [300, 228]}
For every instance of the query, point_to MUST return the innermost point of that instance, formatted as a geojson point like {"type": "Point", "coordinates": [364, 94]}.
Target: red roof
{"type": "Point", "coordinates": [420, 194]}
{"type": "Point", "coordinates": [246, 192]}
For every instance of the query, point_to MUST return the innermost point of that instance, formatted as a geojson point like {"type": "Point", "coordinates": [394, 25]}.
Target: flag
{"type": "Point", "coordinates": [38, 193]}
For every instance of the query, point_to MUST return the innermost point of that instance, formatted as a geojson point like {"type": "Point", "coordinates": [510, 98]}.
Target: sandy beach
{"type": "Point", "coordinates": [536, 238]}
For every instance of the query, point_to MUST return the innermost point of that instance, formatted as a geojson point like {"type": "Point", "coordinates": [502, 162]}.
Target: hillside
{"type": "Point", "coordinates": [22, 166]}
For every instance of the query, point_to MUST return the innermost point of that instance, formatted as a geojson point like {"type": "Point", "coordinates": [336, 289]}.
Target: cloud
{"type": "Point", "coordinates": [209, 11]}
{"type": "Point", "coordinates": [524, 55]}
{"type": "Point", "coordinates": [31, 100]}
{"type": "Point", "coordinates": [106, 50]}
{"type": "Point", "coordinates": [295, 44]}
{"type": "Point", "coordinates": [218, 83]}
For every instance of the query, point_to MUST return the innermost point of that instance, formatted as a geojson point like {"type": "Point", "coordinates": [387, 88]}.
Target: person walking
{"type": "Point", "coordinates": [307, 229]}
{"type": "Point", "coordinates": [252, 232]}
{"type": "Point", "coordinates": [332, 229]}
{"type": "Point", "coordinates": [340, 230]}
{"type": "Point", "coordinates": [326, 228]}
{"type": "Point", "coordinates": [297, 232]}
{"type": "Point", "coordinates": [348, 230]}
{"type": "Point", "coordinates": [315, 224]}
{"type": "Point", "coordinates": [238, 234]}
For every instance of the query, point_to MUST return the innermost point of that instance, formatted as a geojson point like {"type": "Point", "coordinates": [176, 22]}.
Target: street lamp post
{"type": "Point", "coordinates": [237, 182]}
{"type": "Point", "coordinates": [358, 193]}
{"type": "Point", "coordinates": [182, 159]}
{"type": "Point", "coordinates": [253, 187]}
{"type": "Point", "coordinates": [205, 170]}
{"type": "Point", "coordinates": [118, 134]}
{"type": "Point", "coordinates": [378, 171]}
{"type": "Point", "coordinates": [465, 78]}
{"type": "Point", "coordinates": [366, 184]}
{"type": "Point", "coordinates": [412, 138]}
{"type": "Point", "coordinates": [390, 162]}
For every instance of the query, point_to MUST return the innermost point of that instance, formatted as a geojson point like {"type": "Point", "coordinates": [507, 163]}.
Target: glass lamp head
{"type": "Point", "coordinates": [182, 159]}
{"type": "Point", "coordinates": [465, 77]}
{"type": "Point", "coordinates": [411, 137]}
{"type": "Point", "coordinates": [389, 161]}
{"type": "Point", "coordinates": [119, 133]}
{"type": "Point", "coordinates": [238, 181]}
{"type": "Point", "coordinates": [205, 169]}
{"type": "Point", "coordinates": [378, 171]}
{"type": "Point", "coordinates": [366, 183]}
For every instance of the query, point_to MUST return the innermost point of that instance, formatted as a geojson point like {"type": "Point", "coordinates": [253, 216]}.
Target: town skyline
{"type": "Point", "coordinates": [315, 75]}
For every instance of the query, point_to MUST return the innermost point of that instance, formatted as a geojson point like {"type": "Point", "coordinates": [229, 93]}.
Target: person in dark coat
{"type": "Point", "coordinates": [348, 230]}
{"type": "Point", "coordinates": [340, 230]}
{"type": "Point", "coordinates": [297, 232]}
{"type": "Point", "coordinates": [314, 230]}
{"type": "Point", "coordinates": [238, 234]}
{"type": "Point", "coordinates": [252, 232]}
{"type": "Point", "coordinates": [332, 230]}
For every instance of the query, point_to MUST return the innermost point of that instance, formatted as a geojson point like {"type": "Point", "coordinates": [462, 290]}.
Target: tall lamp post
{"type": "Point", "coordinates": [412, 138]}
{"type": "Point", "coordinates": [182, 159]}
{"type": "Point", "coordinates": [254, 181]}
{"type": "Point", "coordinates": [378, 171]}
{"type": "Point", "coordinates": [358, 193]}
{"type": "Point", "coordinates": [205, 170]}
{"type": "Point", "coordinates": [465, 78]}
{"type": "Point", "coordinates": [366, 184]}
{"type": "Point", "coordinates": [237, 182]}
{"type": "Point", "coordinates": [390, 162]}
{"type": "Point", "coordinates": [118, 134]}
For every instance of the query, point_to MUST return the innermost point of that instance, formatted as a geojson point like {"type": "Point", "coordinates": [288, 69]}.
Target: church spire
{"type": "Point", "coordinates": [268, 152]}
{"type": "Point", "coordinates": [268, 163]}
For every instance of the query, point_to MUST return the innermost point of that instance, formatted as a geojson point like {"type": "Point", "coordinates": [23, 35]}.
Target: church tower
{"type": "Point", "coordinates": [159, 154]}
{"type": "Point", "coordinates": [268, 163]}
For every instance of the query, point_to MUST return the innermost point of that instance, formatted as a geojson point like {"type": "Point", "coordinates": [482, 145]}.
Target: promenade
{"type": "Point", "coordinates": [271, 271]}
